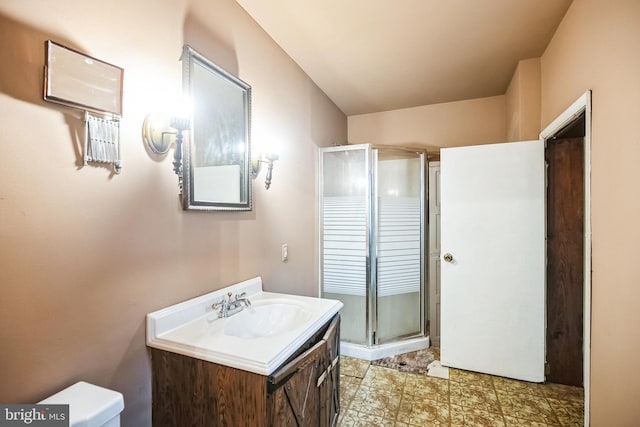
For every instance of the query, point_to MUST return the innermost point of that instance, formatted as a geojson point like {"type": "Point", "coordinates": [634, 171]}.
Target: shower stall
{"type": "Point", "coordinates": [372, 246]}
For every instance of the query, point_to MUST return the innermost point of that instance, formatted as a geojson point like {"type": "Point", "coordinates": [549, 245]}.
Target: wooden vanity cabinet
{"type": "Point", "coordinates": [303, 392]}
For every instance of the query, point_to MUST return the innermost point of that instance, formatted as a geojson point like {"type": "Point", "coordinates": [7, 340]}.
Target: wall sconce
{"type": "Point", "coordinates": [158, 132]}
{"type": "Point", "coordinates": [256, 166]}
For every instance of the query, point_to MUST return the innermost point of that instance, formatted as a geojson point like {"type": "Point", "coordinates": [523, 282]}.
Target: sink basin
{"type": "Point", "coordinates": [258, 339]}
{"type": "Point", "coordinates": [266, 320]}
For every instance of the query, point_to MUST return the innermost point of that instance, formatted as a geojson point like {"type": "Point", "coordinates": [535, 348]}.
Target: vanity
{"type": "Point", "coordinates": [274, 363]}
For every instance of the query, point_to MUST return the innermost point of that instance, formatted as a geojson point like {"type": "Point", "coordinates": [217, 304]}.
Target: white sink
{"type": "Point", "coordinates": [258, 339]}
{"type": "Point", "coordinates": [266, 320]}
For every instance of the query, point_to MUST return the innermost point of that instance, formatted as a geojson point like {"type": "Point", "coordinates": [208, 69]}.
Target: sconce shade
{"type": "Point", "coordinates": [180, 123]}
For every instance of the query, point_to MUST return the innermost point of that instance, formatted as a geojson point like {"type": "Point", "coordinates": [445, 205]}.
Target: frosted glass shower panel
{"type": "Point", "coordinates": [344, 237]}
{"type": "Point", "coordinates": [399, 238]}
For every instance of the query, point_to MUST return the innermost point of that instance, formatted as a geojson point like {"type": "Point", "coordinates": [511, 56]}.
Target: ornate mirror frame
{"type": "Point", "coordinates": [217, 156]}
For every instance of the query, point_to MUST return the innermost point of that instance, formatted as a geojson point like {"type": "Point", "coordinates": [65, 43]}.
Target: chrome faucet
{"type": "Point", "coordinates": [228, 306]}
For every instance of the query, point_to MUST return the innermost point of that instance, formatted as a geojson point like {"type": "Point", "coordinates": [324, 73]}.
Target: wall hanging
{"type": "Point", "coordinates": [77, 80]}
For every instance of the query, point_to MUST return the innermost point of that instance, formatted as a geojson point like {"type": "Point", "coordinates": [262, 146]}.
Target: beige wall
{"type": "Point", "coordinates": [451, 124]}
{"type": "Point", "coordinates": [84, 254]}
{"type": "Point", "coordinates": [514, 116]}
{"type": "Point", "coordinates": [523, 102]}
{"type": "Point", "coordinates": [596, 47]}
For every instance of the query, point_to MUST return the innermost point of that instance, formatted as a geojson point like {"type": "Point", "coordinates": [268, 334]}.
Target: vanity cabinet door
{"type": "Point", "coordinates": [306, 391]}
{"type": "Point", "coordinates": [329, 380]}
{"type": "Point", "coordinates": [294, 397]}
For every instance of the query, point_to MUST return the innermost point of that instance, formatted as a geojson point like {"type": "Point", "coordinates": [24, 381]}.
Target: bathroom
{"type": "Point", "coordinates": [86, 254]}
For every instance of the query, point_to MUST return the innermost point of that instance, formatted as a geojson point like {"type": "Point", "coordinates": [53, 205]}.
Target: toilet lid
{"type": "Point", "coordinates": [89, 405]}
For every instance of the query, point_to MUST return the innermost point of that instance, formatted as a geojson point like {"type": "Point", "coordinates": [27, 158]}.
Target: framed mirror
{"type": "Point", "coordinates": [216, 156]}
{"type": "Point", "coordinates": [77, 80]}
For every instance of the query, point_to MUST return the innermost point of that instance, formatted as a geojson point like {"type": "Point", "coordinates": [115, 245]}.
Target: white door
{"type": "Point", "coordinates": [493, 285]}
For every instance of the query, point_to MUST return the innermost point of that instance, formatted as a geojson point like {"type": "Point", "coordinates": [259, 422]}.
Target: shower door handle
{"type": "Point", "coordinates": [448, 257]}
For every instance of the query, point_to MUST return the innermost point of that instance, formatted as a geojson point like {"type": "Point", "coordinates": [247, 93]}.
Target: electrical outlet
{"type": "Point", "coordinates": [285, 252]}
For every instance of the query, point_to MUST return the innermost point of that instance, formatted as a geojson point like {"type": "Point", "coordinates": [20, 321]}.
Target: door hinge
{"type": "Point", "coordinates": [547, 368]}
{"type": "Point", "coordinates": [546, 174]}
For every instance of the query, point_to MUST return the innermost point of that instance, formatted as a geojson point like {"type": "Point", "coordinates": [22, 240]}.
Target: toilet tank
{"type": "Point", "coordinates": [90, 405]}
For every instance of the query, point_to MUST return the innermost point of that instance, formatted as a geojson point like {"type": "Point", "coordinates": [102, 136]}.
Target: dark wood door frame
{"type": "Point", "coordinates": [581, 109]}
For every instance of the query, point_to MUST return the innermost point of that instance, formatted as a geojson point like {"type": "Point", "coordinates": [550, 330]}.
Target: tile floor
{"type": "Point", "coordinates": [380, 397]}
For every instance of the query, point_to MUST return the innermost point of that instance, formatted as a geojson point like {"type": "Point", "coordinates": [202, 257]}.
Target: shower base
{"type": "Point", "coordinates": [383, 350]}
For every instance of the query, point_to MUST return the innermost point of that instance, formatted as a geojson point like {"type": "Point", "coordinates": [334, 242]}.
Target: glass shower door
{"type": "Point", "coordinates": [344, 212]}
{"type": "Point", "coordinates": [400, 234]}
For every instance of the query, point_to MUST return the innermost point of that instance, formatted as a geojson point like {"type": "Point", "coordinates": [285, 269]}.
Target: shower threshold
{"type": "Point", "coordinates": [383, 350]}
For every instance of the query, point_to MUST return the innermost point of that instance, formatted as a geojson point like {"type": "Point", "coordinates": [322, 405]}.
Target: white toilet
{"type": "Point", "coordinates": [90, 405]}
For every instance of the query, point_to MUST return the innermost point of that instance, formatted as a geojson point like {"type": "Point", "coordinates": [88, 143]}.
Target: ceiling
{"type": "Point", "coordinates": [378, 55]}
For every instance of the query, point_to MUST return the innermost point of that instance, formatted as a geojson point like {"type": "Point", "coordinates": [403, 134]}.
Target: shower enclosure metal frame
{"type": "Point", "coordinates": [372, 212]}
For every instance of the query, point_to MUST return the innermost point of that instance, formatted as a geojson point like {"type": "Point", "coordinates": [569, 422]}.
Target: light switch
{"type": "Point", "coordinates": [285, 252]}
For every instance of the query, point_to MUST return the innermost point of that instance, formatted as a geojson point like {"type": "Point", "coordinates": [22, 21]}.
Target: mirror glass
{"type": "Point", "coordinates": [216, 156]}
{"type": "Point", "coordinates": [80, 81]}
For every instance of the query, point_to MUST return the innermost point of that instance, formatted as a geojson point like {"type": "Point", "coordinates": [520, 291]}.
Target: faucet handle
{"type": "Point", "coordinates": [222, 302]}
{"type": "Point", "coordinates": [243, 298]}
